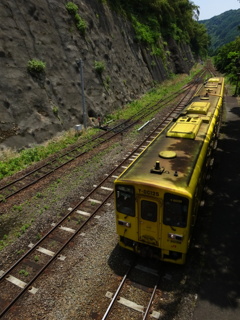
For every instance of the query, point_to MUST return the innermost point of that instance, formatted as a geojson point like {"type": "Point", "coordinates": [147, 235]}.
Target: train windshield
{"type": "Point", "coordinates": [125, 199]}
{"type": "Point", "coordinates": [175, 210]}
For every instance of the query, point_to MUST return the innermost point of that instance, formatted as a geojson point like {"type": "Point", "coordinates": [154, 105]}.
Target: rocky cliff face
{"type": "Point", "coordinates": [34, 108]}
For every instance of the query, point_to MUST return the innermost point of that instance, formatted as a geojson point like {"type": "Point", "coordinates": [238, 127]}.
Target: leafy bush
{"type": "Point", "coordinates": [36, 66]}
{"type": "Point", "coordinates": [157, 51]}
{"type": "Point", "coordinates": [81, 24]}
{"type": "Point", "coordinates": [145, 33]}
{"type": "Point", "coordinates": [227, 60]}
{"type": "Point", "coordinates": [99, 67]}
{"type": "Point", "coordinates": [71, 7]}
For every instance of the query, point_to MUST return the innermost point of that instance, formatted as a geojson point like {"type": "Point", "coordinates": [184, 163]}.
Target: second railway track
{"type": "Point", "coordinates": [52, 244]}
{"type": "Point", "coordinates": [23, 182]}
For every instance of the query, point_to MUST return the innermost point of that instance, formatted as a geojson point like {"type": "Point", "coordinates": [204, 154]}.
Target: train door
{"type": "Point", "coordinates": [149, 222]}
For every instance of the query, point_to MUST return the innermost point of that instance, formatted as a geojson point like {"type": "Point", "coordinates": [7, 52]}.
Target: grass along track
{"type": "Point", "coordinates": [70, 220]}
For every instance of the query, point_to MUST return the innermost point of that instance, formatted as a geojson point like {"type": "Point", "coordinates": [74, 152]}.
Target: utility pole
{"type": "Point", "coordinates": [80, 65]}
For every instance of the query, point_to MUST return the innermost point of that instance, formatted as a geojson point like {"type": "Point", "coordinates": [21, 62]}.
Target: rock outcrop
{"type": "Point", "coordinates": [34, 108]}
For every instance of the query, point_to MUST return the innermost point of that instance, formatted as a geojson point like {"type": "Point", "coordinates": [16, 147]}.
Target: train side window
{"type": "Point", "coordinates": [125, 200]}
{"type": "Point", "coordinates": [175, 210]}
{"type": "Point", "coordinates": [149, 210]}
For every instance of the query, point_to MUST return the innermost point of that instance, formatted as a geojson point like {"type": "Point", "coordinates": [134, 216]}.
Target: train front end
{"type": "Point", "coordinates": [152, 222]}
{"type": "Point", "coordinates": [157, 197]}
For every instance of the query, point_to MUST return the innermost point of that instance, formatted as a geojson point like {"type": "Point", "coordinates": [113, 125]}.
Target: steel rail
{"type": "Point", "coordinates": [115, 169]}
{"type": "Point", "coordinates": [72, 211]}
{"type": "Point", "coordinates": [150, 301]}
{"type": "Point", "coordinates": [153, 107]}
{"type": "Point", "coordinates": [114, 298]}
{"type": "Point", "coordinates": [59, 250]}
{"type": "Point", "coordinates": [113, 130]}
{"type": "Point", "coordinates": [117, 291]}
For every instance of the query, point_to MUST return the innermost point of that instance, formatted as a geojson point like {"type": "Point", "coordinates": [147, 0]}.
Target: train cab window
{"type": "Point", "coordinates": [175, 210]}
{"type": "Point", "coordinates": [125, 199]}
{"type": "Point", "coordinates": [149, 210]}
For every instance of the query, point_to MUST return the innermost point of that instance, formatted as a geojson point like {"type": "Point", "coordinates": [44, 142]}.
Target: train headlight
{"type": "Point", "coordinates": [175, 236]}
{"type": "Point", "coordinates": [124, 223]}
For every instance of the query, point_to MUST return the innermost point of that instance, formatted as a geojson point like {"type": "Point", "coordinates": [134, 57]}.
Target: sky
{"type": "Point", "coordinates": [209, 9]}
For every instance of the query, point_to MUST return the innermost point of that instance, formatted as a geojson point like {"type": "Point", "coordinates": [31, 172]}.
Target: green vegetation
{"type": "Point", "coordinates": [18, 161]}
{"type": "Point", "coordinates": [39, 195]}
{"type": "Point", "coordinates": [20, 252]}
{"type": "Point", "coordinates": [24, 272]}
{"type": "Point", "coordinates": [38, 236]}
{"type": "Point", "coordinates": [99, 67]}
{"type": "Point", "coordinates": [106, 82]}
{"type": "Point", "coordinates": [80, 23]}
{"type": "Point", "coordinates": [32, 209]}
{"type": "Point", "coordinates": [17, 208]}
{"type": "Point", "coordinates": [13, 163]}
{"type": "Point", "coordinates": [36, 66]}
{"type": "Point", "coordinates": [2, 198]}
{"type": "Point", "coordinates": [222, 29]}
{"type": "Point", "coordinates": [55, 110]}
{"type": "Point", "coordinates": [3, 241]}
{"type": "Point", "coordinates": [225, 45]}
{"type": "Point", "coordinates": [24, 228]}
{"type": "Point", "coordinates": [147, 33]}
{"type": "Point", "coordinates": [227, 61]}
{"type": "Point", "coordinates": [72, 8]}
{"type": "Point", "coordinates": [154, 95]}
{"type": "Point", "coordinates": [155, 21]}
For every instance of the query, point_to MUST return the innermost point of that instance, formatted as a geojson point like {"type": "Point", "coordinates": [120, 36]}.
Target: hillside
{"type": "Point", "coordinates": [117, 68]}
{"type": "Point", "coordinates": [223, 28]}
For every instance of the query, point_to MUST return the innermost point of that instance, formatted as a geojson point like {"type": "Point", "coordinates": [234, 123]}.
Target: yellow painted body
{"type": "Point", "coordinates": [156, 204]}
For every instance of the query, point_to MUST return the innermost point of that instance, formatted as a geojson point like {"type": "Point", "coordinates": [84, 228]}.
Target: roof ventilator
{"type": "Point", "coordinates": [157, 169]}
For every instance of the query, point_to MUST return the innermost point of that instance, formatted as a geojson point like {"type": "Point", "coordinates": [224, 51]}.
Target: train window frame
{"type": "Point", "coordinates": [144, 216]}
{"type": "Point", "coordinates": [128, 192]}
{"type": "Point", "coordinates": [176, 202]}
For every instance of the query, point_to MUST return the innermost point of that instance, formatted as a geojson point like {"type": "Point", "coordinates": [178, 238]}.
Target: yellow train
{"type": "Point", "coordinates": [157, 197]}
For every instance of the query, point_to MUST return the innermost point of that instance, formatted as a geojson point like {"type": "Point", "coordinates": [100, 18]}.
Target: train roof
{"type": "Point", "coordinates": [169, 160]}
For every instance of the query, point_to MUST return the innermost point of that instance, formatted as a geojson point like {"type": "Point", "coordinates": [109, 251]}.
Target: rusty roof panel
{"type": "Point", "coordinates": [185, 127]}
{"type": "Point", "coordinates": [199, 107]}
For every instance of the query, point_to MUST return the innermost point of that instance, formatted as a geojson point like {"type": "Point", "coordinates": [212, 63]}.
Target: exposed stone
{"type": "Point", "coordinates": [44, 30]}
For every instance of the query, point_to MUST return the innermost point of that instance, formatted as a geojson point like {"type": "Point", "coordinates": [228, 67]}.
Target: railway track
{"type": "Point", "coordinates": [127, 285]}
{"type": "Point", "coordinates": [61, 159]}
{"type": "Point", "coordinates": [51, 246]}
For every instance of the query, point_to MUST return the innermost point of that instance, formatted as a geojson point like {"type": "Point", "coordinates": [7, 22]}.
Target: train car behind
{"type": "Point", "coordinates": [157, 197]}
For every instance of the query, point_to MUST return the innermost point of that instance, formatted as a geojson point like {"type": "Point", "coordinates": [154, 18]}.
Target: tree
{"type": "Point", "coordinates": [200, 40]}
{"type": "Point", "coordinates": [172, 18]}
{"type": "Point", "coordinates": [227, 60]}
